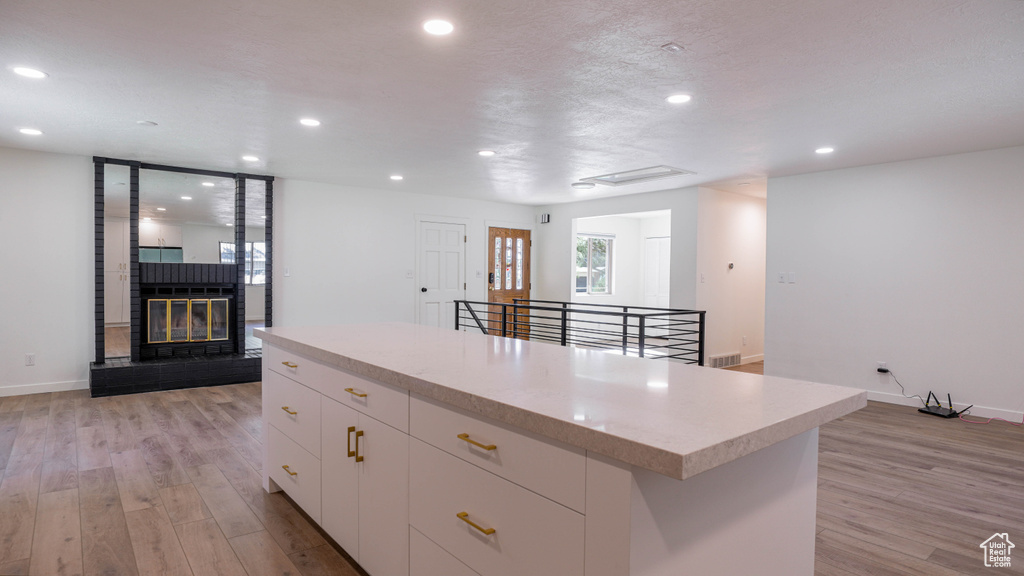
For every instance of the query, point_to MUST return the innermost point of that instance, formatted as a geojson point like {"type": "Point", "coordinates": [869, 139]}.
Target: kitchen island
{"type": "Point", "coordinates": [433, 452]}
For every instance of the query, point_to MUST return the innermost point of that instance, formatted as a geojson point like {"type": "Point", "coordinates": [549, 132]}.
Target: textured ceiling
{"type": "Point", "coordinates": [561, 90]}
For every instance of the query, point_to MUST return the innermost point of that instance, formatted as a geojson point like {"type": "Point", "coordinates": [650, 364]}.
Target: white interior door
{"type": "Point", "coordinates": [657, 268]}
{"type": "Point", "coordinates": [442, 272]}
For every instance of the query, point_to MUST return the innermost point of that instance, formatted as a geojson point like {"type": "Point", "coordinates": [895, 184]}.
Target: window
{"type": "Point", "coordinates": [255, 260]}
{"type": "Point", "coordinates": [593, 264]}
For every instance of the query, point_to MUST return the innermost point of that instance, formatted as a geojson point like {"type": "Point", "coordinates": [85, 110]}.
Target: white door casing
{"type": "Point", "coordinates": [441, 249]}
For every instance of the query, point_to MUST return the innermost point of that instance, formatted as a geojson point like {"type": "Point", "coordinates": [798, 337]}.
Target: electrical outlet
{"type": "Point", "coordinates": [782, 277]}
{"type": "Point", "coordinates": [30, 359]}
{"type": "Point", "coordinates": [744, 340]}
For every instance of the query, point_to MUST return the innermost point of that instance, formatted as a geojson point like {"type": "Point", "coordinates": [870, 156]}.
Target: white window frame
{"type": "Point", "coordinates": [610, 238]}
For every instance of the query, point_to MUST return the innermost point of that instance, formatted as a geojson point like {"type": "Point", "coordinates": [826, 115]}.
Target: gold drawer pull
{"type": "Point", "coordinates": [290, 364]}
{"type": "Point", "coordinates": [465, 436]}
{"type": "Point", "coordinates": [292, 412]}
{"type": "Point", "coordinates": [464, 516]}
{"type": "Point", "coordinates": [351, 452]}
{"type": "Point", "coordinates": [353, 392]}
{"type": "Point", "coordinates": [289, 471]}
{"type": "Point", "coordinates": [359, 435]}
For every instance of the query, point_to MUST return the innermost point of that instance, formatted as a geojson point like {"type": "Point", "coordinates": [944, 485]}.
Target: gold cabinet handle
{"type": "Point", "coordinates": [465, 436]}
{"type": "Point", "coordinates": [351, 452]}
{"type": "Point", "coordinates": [464, 516]}
{"type": "Point", "coordinates": [290, 364]}
{"type": "Point", "coordinates": [292, 412]}
{"type": "Point", "coordinates": [289, 471]}
{"type": "Point", "coordinates": [353, 392]}
{"type": "Point", "coordinates": [359, 434]}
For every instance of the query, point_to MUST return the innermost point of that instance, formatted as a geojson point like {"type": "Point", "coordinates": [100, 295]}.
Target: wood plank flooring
{"type": "Point", "coordinates": [164, 483]}
{"type": "Point", "coordinates": [168, 483]}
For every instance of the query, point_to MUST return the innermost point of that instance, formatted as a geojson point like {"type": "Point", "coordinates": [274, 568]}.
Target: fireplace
{"type": "Point", "coordinates": [187, 320]}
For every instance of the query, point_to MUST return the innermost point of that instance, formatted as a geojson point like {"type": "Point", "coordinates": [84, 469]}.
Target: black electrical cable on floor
{"type": "Point", "coordinates": [904, 391]}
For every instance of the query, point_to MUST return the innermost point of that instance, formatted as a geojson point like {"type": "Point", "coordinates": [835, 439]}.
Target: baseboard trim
{"type": "Point", "coordinates": [20, 389]}
{"type": "Point", "coordinates": [751, 359]}
{"type": "Point", "coordinates": [978, 411]}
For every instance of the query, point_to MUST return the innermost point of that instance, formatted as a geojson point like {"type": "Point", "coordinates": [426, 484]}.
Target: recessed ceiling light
{"type": "Point", "coordinates": [208, 184]}
{"type": "Point", "coordinates": [309, 122]}
{"type": "Point", "coordinates": [230, 224]}
{"type": "Point", "coordinates": [145, 123]}
{"type": "Point", "coordinates": [186, 197]}
{"type": "Point", "coordinates": [486, 152]}
{"type": "Point", "coordinates": [438, 27]}
{"type": "Point", "coordinates": [146, 219]}
{"type": "Point", "coordinates": [583, 185]}
{"type": "Point", "coordinates": [29, 72]}
{"type": "Point", "coordinates": [264, 217]}
{"type": "Point", "coordinates": [744, 183]}
{"type": "Point", "coordinates": [31, 131]}
{"type": "Point", "coordinates": [825, 150]}
{"type": "Point", "coordinates": [396, 177]}
{"type": "Point", "coordinates": [679, 98]}
{"type": "Point", "coordinates": [250, 159]}
{"type": "Point", "coordinates": [161, 209]}
{"type": "Point", "coordinates": [672, 47]}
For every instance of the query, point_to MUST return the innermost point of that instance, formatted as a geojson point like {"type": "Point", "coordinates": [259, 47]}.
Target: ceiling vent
{"type": "Point", "coordinates": [635, 176]}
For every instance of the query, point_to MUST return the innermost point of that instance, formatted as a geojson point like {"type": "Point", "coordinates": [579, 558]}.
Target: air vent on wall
{"type": "Point", "coordinates": [724, 360]}
{"type": "Point", "coordinates": [635, 176]}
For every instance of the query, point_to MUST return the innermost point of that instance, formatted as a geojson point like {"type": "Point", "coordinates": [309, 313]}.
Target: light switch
{"type": "Point", "coordinates": [782, 277]}
{"type": "Point", "coordinates": [792, 277]}
{"type": "Point", "coordinates": [410, 274]}
{"type": "Point", "coordinates": [287, 271]}
{"type": "Point", "coordinates": [479, 273]}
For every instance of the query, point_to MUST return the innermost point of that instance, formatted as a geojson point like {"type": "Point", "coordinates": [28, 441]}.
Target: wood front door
{"type": "Point", "coordinates": [508, 265]}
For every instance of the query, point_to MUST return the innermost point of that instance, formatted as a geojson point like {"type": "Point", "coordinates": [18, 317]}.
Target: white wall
{"type": "Point", "coordinates": [627, 259]}
{"type": "Point", "coordinates": [46, 259]}
{"type": "Point", "coordinates": [554, 259]}
{"type": "Point", "coordinates": [348, 250]}
{"type": "Point", "coordinates": [919, 264]}
{"type": "Point", "coordinates": [731, 228]}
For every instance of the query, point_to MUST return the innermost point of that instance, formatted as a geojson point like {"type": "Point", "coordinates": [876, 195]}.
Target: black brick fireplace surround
{"type": "Point", "coordinates": [179, 365]}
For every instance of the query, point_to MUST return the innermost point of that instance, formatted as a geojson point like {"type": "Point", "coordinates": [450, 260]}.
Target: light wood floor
{"type": "Point", "coordinates": [752, 368]}
{"type": "Point", "coordinates": [117, 341]}
{"type": "Point", "coordinates": [164, 483]}
{"type": "Point", "coordinates": [168, 483]}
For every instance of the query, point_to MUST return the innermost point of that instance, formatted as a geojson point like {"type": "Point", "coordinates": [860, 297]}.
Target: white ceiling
{"type": "Point", "coordinates": [560, 89]}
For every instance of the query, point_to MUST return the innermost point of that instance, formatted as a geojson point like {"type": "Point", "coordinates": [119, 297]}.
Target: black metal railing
{"type": "Point", "coordinates": [634, 330]}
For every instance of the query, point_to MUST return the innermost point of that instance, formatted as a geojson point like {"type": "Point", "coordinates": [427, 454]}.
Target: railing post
{"type": "Point", "coordinates": [515, 320]}
{"type": "Point", "coordinates": [565, 318]}
{"type": "Point", "coordinates": [456, 314]}
{"type": "Point", "coordinates": [642, 329]}
{"type": "Point", "coordinates": [504, 319]}
{"type": "Point", "coordinates": [625, 331]}
{"type": "Point", "coordinates": [700, 344]}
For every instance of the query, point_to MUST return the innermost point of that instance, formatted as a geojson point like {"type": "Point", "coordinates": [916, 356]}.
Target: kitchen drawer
{"type": "Point", "coordinates": [302, 369]}
{"type": "Point", "coordinates": [532, 535]}
{"type": "Point", "coordinates": [302, 478]}
{"type": "Point", "coordinates": [294, 410]}
{"type": "Point", "coordinates": [549, 468]}
{"type": "Point", "coordinates": [429, 559]}
{"type": "Point", "coordinates": [389, 404]}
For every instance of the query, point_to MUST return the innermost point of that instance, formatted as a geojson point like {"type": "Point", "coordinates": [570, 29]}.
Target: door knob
{"type": "Point", "coordinates": [423, 289]}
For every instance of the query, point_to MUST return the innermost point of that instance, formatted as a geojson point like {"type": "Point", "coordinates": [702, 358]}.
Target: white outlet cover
{"type": "Point", "coordinates": [782, 277]}
{"type": "Point", "coordinates": [410, 274]}
{"type": "Point", "coordinates": [792, 277]}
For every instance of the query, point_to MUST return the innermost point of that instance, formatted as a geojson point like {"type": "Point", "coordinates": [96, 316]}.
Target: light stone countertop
{"type": "Point", "coordinates": [672, 418]}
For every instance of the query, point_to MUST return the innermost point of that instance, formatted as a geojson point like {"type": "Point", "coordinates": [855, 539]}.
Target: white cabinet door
{"type": "Point", "coordinates": [114, 297]}
{"type": "Point", "coordinates": [115, 244]}
{"type": "Point", "coordinates": [340, 485]}
{"type": "Point", "coordinates": [383, 499]}
{"type": "Point", "coordinates": [149, 234]}
{"type": "Point", "coordinates": [171, 236]}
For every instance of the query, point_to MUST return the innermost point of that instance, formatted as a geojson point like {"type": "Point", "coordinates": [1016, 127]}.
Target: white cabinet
{"type": "Point", "coordinates": [366, 488]}
{"type": "Point", "coordinates": [116, 271]}
{"type": "Point", "coordinates": [152, 234]}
